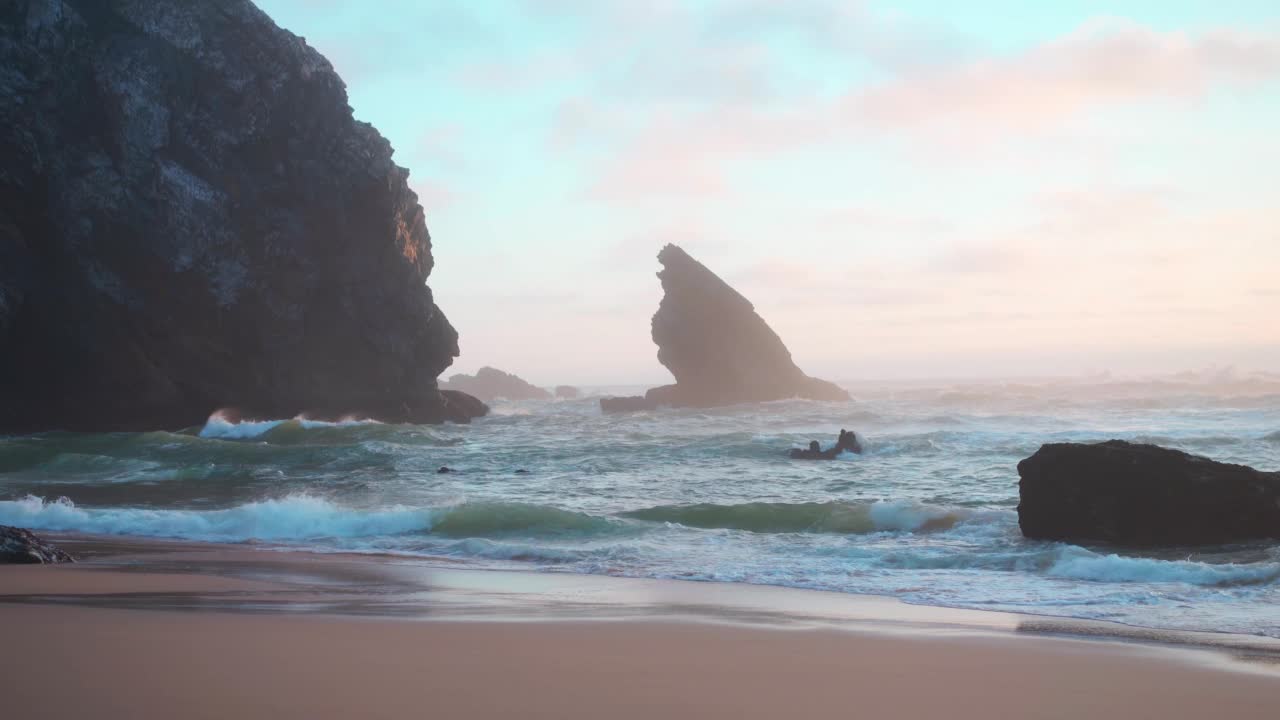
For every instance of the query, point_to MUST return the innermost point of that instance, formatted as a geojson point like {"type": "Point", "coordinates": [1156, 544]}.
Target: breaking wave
{"type": "Point", "coordinates": [301, 517]}
{"type": "Point", "coordinates": [294, 517]}
{"type": "Point", "coordinates": [1077, 563]}
{"type": "Point", "coordinates": [824, 517]}
{"type": "Point", "coordinates": [219, 426]}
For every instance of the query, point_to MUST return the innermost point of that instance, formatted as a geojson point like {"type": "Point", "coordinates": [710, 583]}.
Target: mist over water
{"type": "Point", "coordinates": [927, 514]}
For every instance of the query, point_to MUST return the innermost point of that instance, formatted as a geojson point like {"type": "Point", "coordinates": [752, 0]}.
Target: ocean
{"type": "Point", "coordinates": [926, 514]}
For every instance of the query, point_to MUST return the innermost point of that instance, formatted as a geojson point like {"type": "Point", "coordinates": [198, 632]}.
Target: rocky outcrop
{"type": "Point", "coordinates": [22, 546]}
{"type": "Point", "coordinates": [489, 384]}
{"type": "Point", "coordinates": [719, 349]}
{"type": "Point", "coordinates": [847, 442]}
{"type": "Point", "coordinates": [1134, 494]}
{"type": "Point", "coordinates": [191, 219]}
{"type": "Point", "coordinates": [567, 392]}
{"type": "Point", "coordinates": [627, 403]}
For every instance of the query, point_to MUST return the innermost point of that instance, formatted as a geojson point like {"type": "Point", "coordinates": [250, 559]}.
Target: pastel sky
{"type": "Point", "coordinates": [914, 188]}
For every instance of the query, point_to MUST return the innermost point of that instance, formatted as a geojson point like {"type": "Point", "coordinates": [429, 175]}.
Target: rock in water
{"type": "Point", "coordinates": [719, 350]}
{"type": "Point", "coordinates": [567, 392]}
{"type": "Point", "coordinates": [190, 219]}
{"type": "Point", "coordinates": [1133, 494]}
{"type": "Point", "coordinates": [628, 403]}
{"type": "Point", "coordinates": [489, 384]}
{"type": "Point", "coordinates": [22, 546]}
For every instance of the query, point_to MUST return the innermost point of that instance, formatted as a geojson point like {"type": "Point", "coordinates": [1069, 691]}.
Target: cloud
{"type": "Point", "coordinates": [849, 28]}
{"type": "Point", "coordinates": [1101, 62]}
{"type": "Point", "coordinates": [669, 151]}
{"type": "Point", "coordinates": [978, 258]}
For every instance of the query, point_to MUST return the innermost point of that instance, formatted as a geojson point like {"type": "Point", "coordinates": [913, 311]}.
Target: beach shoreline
{"type": "Point", "coordinates": [159, 574]}
{"type": "Point", "coordinates": [146, 628]}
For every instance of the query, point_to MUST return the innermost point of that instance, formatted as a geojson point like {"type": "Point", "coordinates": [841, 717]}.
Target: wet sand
{"type": "Point", "coordinates": [160, 631]}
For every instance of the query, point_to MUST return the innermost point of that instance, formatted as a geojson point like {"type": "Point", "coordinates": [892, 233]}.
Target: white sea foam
{"type": "Point", "coordinates": [910, 516]}
{"type": "Point", "coordinates": [1078, 563]}
{"type": "Point", "coordinates": [219, 426]}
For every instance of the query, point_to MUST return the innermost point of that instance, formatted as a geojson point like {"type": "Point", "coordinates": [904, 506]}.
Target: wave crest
{"type": "Point", "coordinates": [223, 427]}
{"type": "Point", "coordinates": [302, 517]}
{"type": "Point", "coordinates": [824, 517]}
{"type": "Point", "coordinates": [294, 517]}
{"type": "Point", "coordinates": [1077, 563]}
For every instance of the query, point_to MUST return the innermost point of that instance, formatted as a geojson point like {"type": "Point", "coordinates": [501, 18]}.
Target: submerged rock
{"type": "Point", "coordinates": [1134, 494]}
{"type": "Point", "coordinates": [847, 442]}
{"type": "Point", "coordinates": [627, 403]}
{"type": "Point", "coordinates": [489, 384]}
{"type": "Point", "coordinates": [191, 218]}
{"type": "Point", "coordinates": [23, 546]}
{"type": "Point", "coordinates": [719, 349]}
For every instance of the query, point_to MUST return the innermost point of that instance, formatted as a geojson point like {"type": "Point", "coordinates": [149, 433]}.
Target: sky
{"type": "Point", "coordinates": [914, 188]}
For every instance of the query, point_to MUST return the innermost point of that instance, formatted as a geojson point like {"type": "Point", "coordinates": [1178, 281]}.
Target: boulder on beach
{"type": "Point", "coordinates": [192, 219]}
{"type": "Point", "coordinates": [489, 384]}
{"type": "Point", "coordinates": [20, 546]}
{"type": "Point", "coordinates": [1143, 495]}
{"type": "Point", "coordinates": [719, 349]}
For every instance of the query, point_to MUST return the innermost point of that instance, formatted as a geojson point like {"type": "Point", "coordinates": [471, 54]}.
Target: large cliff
{"type": "Point", "coordinates": [191, 219]}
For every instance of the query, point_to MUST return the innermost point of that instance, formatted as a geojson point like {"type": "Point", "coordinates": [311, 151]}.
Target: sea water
{"type": "Point", "coordinates": [926, 514]}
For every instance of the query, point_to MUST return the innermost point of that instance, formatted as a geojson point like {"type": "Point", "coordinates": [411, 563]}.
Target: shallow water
{"type": "Point", "coordinates": [927, 514]}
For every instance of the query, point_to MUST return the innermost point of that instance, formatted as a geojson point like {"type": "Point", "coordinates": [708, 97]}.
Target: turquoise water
{"type": "Point", "coordinates": [927, 514]}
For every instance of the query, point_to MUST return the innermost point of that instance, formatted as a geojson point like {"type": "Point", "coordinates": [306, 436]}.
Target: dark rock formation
{"type": "Point", "coordinates": [627, 403]}
{"type": "Point", "coordinates": [22, 546]}
{"type": "Point", "coordinates": [489, 384]}
{"type": "Point", "coordinates": [847, 442]}
{"type": "Point", "coordinates": [1133, 494]}
{"type": "Point", "coordinates": [461, 405]}
{"type": "Point", "coordinates": [719, 350]}
{"type": "Point", "coordinates": [191, 219]}
{"type": "Point", "coordinates": [567, 392]}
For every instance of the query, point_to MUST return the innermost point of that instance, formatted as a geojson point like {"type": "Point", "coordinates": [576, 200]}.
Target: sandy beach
{"type": "Point", "coordinates": [162, 631]}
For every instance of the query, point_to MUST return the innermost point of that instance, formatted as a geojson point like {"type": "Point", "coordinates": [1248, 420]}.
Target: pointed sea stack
{"type": "Point", "coordinates": [1143, 495]}
{"type": "Point", "coordinates": [191, 219]}
{"type": "Point", "coordinates": [719, 349]}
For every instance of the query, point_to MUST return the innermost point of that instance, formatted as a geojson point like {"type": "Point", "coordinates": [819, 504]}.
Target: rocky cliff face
{"type": "Point", "coordinates": [1135, 494]}
{"type": "Point", "coordinates": [190, 218]}
{"type": "Point", "coordinates": [489, 384]}
{"type": "Point", "coordinates": [719, 350]}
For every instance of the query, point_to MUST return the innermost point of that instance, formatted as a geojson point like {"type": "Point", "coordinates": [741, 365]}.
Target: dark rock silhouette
{"type": "Point", "coordinates": [627, 403]}
{"type": "Point", "coordinates": [489, 384]}
{"type": "Point", "coordinates": [1135, 494]}
{"type": "Point", "coordinates": [567, 392]}
{"type": "Point", "coordinates": [461, 405]}
{"type": "Point", "coordinates": [846, 442]}
{"type": "Point", "coordinates": [444, 470]}
{"type": "Point", "coordinates": [23, 546]}
{"type": "Point", "coordinates": [191, 219]}
{"type": "Point", "coordinates": [719, 350]}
